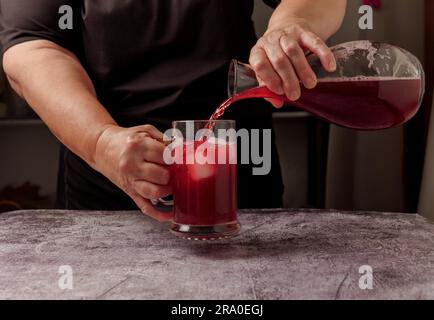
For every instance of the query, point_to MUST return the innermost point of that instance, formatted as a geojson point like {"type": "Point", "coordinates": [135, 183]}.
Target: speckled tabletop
{"type": "Point", "coordinates": [279, 254]}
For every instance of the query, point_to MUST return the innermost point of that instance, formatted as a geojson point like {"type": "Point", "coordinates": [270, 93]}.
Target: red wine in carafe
{"type": "Point", "coordinates": [357, 103]}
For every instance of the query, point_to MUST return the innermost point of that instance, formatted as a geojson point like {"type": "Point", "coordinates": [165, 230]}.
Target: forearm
{"type": "Point", "coordinates": [324, 17]}
{"type": "Point", "coordinates": [59, 90]}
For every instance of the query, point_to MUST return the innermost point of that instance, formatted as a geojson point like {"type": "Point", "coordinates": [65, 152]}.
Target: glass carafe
{"type": "Point", "coordinates": [375, 86]}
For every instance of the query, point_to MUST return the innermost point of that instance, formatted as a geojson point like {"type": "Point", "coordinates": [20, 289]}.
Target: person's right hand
{"type": "Point", "coordinates": [132, 158]}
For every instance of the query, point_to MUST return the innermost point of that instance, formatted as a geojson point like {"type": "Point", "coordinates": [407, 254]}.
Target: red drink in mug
{"type": "Point", "coordinates": [204, 182]}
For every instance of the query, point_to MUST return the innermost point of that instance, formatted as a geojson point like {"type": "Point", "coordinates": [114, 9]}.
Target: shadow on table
{"type": "Point", "coordinates": [254, 247]}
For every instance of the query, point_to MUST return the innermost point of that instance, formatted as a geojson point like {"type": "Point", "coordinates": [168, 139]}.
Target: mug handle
{"type": "Point", "coordinates": [164, 205]}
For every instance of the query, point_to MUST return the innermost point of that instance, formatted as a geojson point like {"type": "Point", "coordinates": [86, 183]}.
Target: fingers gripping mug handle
{"type": "Point", "coordinates": [164, 205]}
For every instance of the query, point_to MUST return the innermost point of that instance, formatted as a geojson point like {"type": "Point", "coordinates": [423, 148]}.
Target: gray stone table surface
{"type": "Point", "coordinates": [279, 254]}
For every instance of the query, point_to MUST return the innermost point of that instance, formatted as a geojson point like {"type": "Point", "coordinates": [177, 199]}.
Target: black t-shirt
{"type": "Point", "coordinates": [142, 55]}
{"type": "Point", "coordinates": [151, 61]}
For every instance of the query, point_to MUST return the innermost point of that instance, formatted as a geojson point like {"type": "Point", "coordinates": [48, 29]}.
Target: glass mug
{"type": "Point", "coordinates": [204, 180]}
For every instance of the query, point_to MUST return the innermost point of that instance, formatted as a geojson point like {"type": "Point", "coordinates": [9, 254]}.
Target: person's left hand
{"type": "Point", "coordinates": [279, 59]}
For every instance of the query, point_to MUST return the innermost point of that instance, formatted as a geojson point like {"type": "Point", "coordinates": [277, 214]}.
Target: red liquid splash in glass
{"type": "Point", "coordinates": [362, 104]}
{"type": "Point", "coordinates": [205, 194]}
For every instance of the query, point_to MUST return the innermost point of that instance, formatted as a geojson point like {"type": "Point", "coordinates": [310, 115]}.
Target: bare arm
{"type": "Point", "coordinates": [323, 16]}
{"type": "Point", "coordinates": [57, 87]}
{"type": "Point", "coordinates": [295, 27]}
{"type": "Point", "coordinates": [53, 82]}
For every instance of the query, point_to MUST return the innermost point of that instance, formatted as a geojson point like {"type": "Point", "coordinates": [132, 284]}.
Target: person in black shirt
{"type": "Point", "coordinates": [108, 87]}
